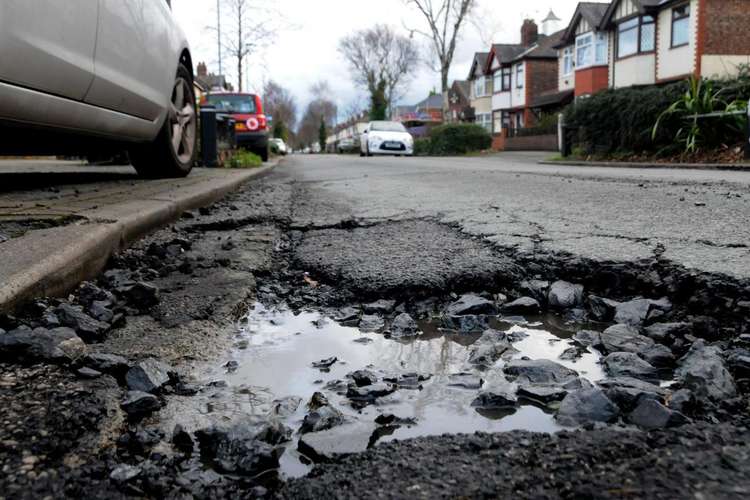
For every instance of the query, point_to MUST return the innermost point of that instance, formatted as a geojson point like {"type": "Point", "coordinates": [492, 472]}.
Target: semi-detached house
{"type": "Point", "coordinates": [626, 43]}
{"type": "Point", "coordinates": [480, 84]}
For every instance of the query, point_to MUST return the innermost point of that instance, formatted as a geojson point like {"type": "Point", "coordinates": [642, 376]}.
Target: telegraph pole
{"type": "Point", "coordinates": [218, 31]}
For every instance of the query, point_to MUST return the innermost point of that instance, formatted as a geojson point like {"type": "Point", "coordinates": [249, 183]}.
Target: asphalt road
{"type": "Point", "coordinates": [697, 218]}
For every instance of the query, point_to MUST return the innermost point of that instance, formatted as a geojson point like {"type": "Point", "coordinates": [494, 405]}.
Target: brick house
{"type": "Point", "coordinates": [458, 102]}
{"type": "Point", "coordinates": [583, 51]}
{"type": "Point", "coordinates": [525, 81]}
{"type": "Point", "coordinates": [480, 92]}
{"type": "Point", "coordinates": [645, 42]}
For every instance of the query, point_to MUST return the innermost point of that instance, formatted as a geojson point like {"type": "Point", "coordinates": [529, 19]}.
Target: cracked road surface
{"type": "Point", "coordinates": [697, 219]}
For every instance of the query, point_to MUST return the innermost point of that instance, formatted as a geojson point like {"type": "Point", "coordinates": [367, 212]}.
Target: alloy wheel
{"type": "Point", "coordinates": [183, 120]}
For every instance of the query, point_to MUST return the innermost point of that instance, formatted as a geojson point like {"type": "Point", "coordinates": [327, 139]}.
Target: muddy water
{"type": "Point", "coordinates": [275, 350]}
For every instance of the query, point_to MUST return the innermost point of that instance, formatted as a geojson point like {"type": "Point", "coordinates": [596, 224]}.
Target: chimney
{"type": "Point", "coordinates": [202, 70]}
{"type": "Point", "coordinates": [529, 33]}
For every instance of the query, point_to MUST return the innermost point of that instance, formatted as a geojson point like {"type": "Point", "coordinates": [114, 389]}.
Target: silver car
{"type": "Point", "coordinates": [85, 76]}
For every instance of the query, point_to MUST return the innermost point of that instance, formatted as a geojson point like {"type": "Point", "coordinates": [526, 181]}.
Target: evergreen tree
{"type": "Point", "coordinates": [379, 102]}
{"type": "Point", "coordinates": [322, 135]}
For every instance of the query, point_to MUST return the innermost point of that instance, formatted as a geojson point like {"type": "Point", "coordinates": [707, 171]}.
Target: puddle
{"type": "Point", "coordinates": [274, 359]}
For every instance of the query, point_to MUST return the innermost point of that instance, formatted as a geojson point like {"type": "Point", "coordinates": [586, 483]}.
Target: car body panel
{"type": "Point", "coordinates": [101, 68]}
{"type": "Point", "coordinates": [48, 45]}
{"type": "Point", "coordinates": [136, 58]}
{"type": "Point", "coordinates": [37, 108]}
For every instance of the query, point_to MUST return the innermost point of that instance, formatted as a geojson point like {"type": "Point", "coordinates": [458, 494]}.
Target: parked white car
{"type": "Point", "coordinates": [279, 146]}
{"type": "Point", "coordinates": [386, 138]}
{"type": "Point", "coordinates": [91, 76]}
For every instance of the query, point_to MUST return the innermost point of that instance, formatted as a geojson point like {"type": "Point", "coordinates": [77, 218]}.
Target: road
{"type": "Point", "coordinates": [698, 217]}
{"type": "Point", "coordinates": [262, 302]}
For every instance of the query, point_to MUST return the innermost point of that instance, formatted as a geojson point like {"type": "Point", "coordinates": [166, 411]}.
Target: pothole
{"type": "Point", "coordinates": [376, 387]}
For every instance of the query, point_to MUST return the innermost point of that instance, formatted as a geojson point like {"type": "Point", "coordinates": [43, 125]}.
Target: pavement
{"type": "Point", "coordinates": [62, 220]}
{"type": "Point", "coordinates": [695, 218]}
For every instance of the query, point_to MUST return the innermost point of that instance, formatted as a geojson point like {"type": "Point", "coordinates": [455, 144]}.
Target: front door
{"type": "Point", "coordinates": [48, 45]}
{"type": "Point", "coordinates": [134, 63]}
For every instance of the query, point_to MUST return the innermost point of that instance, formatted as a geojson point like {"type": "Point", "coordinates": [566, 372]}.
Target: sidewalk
{"type": "Point", "coordinates": [738, 167]}
{"type": "Point", "coordinates": [74, 224]}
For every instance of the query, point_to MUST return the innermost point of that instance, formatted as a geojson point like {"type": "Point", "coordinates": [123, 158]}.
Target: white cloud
{"type": "Point", "coordinates": [307, 52]}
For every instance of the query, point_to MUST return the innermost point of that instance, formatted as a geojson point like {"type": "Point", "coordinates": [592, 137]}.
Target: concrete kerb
{"type": "Point", "coordinates": [742, 167]}
{"type": "Point", "coordinates": [51, 262]}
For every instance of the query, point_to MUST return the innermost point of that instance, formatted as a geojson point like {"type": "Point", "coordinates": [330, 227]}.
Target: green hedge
{"type": "Point", "coordinates": [622, 120]}
{"type": "Point", "coordinates": [454, 139]}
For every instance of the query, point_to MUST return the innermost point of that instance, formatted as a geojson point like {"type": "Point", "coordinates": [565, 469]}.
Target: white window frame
{"type": "Point", "coordinates": [479, 86]}
{"type": "Point", "coordinates": [568, 62]}
{"type": "Point", "coordinates": [680, 18]}
{"type": "Point", "coordinates": [485, 120]}
{"type": "Point", "coordinates": [584, 47]}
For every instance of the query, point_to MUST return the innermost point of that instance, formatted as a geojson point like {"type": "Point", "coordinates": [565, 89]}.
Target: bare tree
{"type": "Point", "coordinates": [444, 20]}
{"type": "Point", "coordinates": [320, 110]}
{"type": "Point", "coordinates": [281, 105]}
{"type": "Point", "coordinates": [380, 59]}
{"type": "Point", "coordinates": [248, 26]}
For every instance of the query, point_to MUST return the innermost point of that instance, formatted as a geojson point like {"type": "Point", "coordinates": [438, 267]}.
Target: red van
{"type": "Point", "coordinates": [247, 110]}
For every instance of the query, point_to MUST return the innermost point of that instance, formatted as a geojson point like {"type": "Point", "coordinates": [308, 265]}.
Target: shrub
{"type": "Point", "coordinates": [703, 98]}
{"type": "Point", "coordinates": [458, 139]}
{"type": "Point", "coordinates": [422, 146]}
{"type": "Point", "coordinates": [623, 119]}
{"type": "Point", "coordinates": [244, 159]}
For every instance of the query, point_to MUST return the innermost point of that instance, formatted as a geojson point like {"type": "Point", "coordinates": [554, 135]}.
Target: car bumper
{"type": "Point", "coordinates": [252, 140]}
{"type": "Point", "coordinates": [402, 149]}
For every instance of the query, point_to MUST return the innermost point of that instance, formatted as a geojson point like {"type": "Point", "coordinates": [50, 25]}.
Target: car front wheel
{"type": "Point", "coordinates": [173, 152]}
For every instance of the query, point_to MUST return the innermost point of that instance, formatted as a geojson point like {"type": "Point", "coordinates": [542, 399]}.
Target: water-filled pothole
{"type": "Point", "coordinates": [276, 351]}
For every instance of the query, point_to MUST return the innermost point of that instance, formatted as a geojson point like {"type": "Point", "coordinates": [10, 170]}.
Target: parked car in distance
{"type": "Point", "coordinates": [386, 138]}
{"type": "Point", "coordinates": [346, 146]}
{"type": "Point", "coordinates": [251, 126]}
{"type": "Point", "coordinates": [278, 146]}
{"type": "Point", "coordinates": [92, 77]}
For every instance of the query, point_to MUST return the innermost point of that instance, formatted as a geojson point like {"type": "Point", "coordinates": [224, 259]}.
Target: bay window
{"type": "Point", "coordinates": [681, 25]}
{"type": "Point", "coordinates": [485, 120]}
{"type": "Point", "coordinates": [635, 36]}
{"type": "Point", "coordinates": [584, 48]}
{"type": "Point", "coordinates": [591, 49]}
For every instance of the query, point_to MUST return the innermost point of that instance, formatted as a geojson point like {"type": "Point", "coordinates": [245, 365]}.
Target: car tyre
{"type": "Point", "coordinates": [173, 152]}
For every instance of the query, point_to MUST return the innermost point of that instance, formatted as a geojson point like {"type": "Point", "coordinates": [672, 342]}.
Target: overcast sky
{"type": "Point", "coordinates": [306, 52]}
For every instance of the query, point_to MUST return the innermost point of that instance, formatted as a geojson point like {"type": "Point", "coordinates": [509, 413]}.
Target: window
{"type": "Point", "coordinates": [519, 120]}
{"type": "Point", "coordinates": [681, 25]}
{"type": "Point", "coordinates": [485, 120]}
{"type": "Point", "coordinates": [519, 76]}
{"type": "Point", "coordinates": [584, 50]}
{"type": "Point", "coordinates": [636, 36]}
{"type": "Point", "coordinates": [507, 74]}
{"type": "Point", "coordinates": [591, 49]}
{"type": "Point", "coordinates": [567, 61]}
{"type": "Point", "coordinates": [479, 87]}
{"type": "Point", "coordinates": [497, 81]}
{"type": "Point", "coordinates": [488, 86]}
